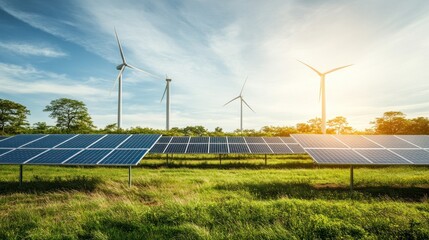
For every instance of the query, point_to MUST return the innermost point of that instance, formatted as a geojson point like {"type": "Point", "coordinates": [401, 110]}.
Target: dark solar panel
{"type": "Point", "coordinates": [158, 148]}
{"type": "Point", "coordinates": [4, 150]}
{"type": "Point", "coordinates": [288, 140]}
{"type": "Point", "coordinates": [176, 148]}
{"type": "Point", "coordinates": [19, 156]}
{"type": "Point", "coordinates": [164, 139]}
{"type": "Point", "coordinates": [280, 148]}
{"type": "Point", "coordinates": [390, 141]}
{"type": "Point", "coordinates": [19, 140]}
{"type": "Point", "coordinates": [296, 148]}
{"type": "Point", "coordinates": [381, 156]}
{"type": "Point", "coordinates": [197, 148]}
{"type": "Point", "coordinates": [356, 141]}
{"type": "Point", "coordinates": [219, 148]}
{"type": "Point", "coordinates": [88, 157]}
{"type": "Point", "coordinates": [81, 141]}
{"type": "Point", "coordinates": [110, 141]}
{"type": "Point", "coordinates": [3, 138]}
{"type": "Point", "coordinates": [199, 140]}
{"type": "Point", "coordinates": [217, 139]}
{"type": "Point", "coordinates": [54, 156]}
{"type": "Point", "coordinates": [238, 148]}
{"type": "Point", "coordinates": [416, 156]}
{"type": "Point", "coordinates": [236, 140]}
{"type": "Point", "coordinates": [336, 156]}
{"type": "Point", "coordinates": [419, 140]}
{"type": "Point", "coordinates": [318, 141]}
{"type": "Point", "coordinates": [254, 140]}
{"type": "Point", "coordinates": [123, 157]}
{"type": "Point", "coordinates": [260, 149]}
{"type": "Point", "coordinates": [139, 141]}
{"type": "Point", "coordinates": [273, 140]}
{"type": "Point", "coordinates": [49, 141]}
{"type": "Point", "coordinates": [180, 140]}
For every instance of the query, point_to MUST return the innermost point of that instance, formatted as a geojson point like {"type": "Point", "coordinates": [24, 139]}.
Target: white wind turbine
{"type": "Point", "coordinates": [241, 105]}
{"type": "Point", "coordinates": [121, 67]}
{"type": "Point", "coordinates": [322, 91]}
{"type": "Point", "coordinates": [167, 107]}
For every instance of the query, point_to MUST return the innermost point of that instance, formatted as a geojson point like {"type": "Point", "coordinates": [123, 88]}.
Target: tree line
{"type": "Point", "coordinates": [72, 116]}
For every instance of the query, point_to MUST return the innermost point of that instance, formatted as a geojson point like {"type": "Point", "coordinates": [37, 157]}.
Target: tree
{"type": "Point", "coordinates": [339, 125]}
{"type": "Point", "coordinates": [13, 117]}
{"type": "Point", "coordinates": [71, 115]}
{"type": "Point", "coordinates": [391, 123]}
{"type": "Point", "coordinates": [313, 125]}
{"type": "Point", "coordinates": [195, 131]}
{"type": "Point", "coordinates": [419, 125]}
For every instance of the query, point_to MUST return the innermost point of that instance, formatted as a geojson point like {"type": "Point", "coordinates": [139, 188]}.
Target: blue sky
{"type": "Point", "coordinates": [51, 49]}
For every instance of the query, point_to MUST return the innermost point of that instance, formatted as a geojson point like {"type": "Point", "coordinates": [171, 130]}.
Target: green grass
{"type": "Point", "coordinates": [198, 199]}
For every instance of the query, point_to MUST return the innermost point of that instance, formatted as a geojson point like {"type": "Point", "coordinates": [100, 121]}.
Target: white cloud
{"type": "Point", "coordinates": [32, 50]}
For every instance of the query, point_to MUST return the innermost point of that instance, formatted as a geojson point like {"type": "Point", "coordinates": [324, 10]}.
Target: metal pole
{"type": "Point", "coordinates": [167, 159]}
{"type": "Point", "coordinates": [241, 115]}
{"type": "Point", "coordinates": [351, 177]}
{"type": "Point", "coordinates": [119, 102]}
{"type": "Point", "coordinates": [20, 175]}
{"type": "Point", "coordinates": [220, 159]}
{"type": "Point", "coordinates": [168, 104]}
{"type": "Point", "coordinates": [322, 85]}
{"type": "Point", "coordinates": [265, 159]}
{"type": "Point", "coordinates": [129, 176]}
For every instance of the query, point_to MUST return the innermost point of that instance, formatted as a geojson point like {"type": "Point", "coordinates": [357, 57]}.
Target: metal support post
{"type": "Point", "coordinates": [265, 159]}
{"type": "Point", "coordinates": [20, 175]}
{"type": "Point", "coordinates": [351, 177]}
{"type": "Point", "coordinates": [220, 159]}
{"type": "Point", "coordinates": [167, 159]}
{"type": "Point", "coordinates": [129, 176]}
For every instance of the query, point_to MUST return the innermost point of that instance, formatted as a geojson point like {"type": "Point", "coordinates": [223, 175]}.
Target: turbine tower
{"type": "Point", "coordinates": [241, 105]}
{"type": "Point", "coordinates": [167, 105]}
{"type": "Point", "coordinates": [322, 91]}
{"type": "Point", "coordinates": [121, 67]}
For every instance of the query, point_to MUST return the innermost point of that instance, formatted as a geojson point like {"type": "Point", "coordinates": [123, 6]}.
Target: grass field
{"type": "Point", "coordinates": [289, 198]}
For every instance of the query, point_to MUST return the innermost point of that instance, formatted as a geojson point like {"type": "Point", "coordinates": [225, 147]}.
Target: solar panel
{"type": "Point", "coordinates": [260, 148]}
{"type": "Point", "coordinates": [3, 138]}
{"type": "Point", "coordinates": [254, 140]}
{"type": "Point", "coordinates": [54, 156]}
{"type": "Point", "coordinates": [390, 141]}
{"type": "Point", "coordinates": [336, 156]}
{"type": "Point", "coordinates": [19, 156]}
{"type": "Point", "coordinates": [19, 140]}
{"type": "Point", "coordinates": [158, 148]}
{"type": "Point", "coordinates": [356, 141]}
{"type": "Point", "coordinates": [110, 141]}
{"type": "Point", "coordinates": [199, 140]}
{"type": "Point", "coordinates": [273, 140]}
{"type": "Point", "coordinates": [236, 140]}
{"type": "Point", "coordinates": [164, 139]}
{"type": "Point", "coordinates": [280, 148]}
{"type": "Point", "coordinates": [218, 140]}
{"type": "Point", "coordinates": [318, 141]}
{"type": "Point", "coordinates": [288, 140]}
{"type": "Point", "coordinates": [88, 157]}
{"type": "Point", "coordinates": [81, 141]}
{"type": "Point", "coordinates": [296, 148]}
{"type": "Point", "coordinates": [381, 156]}
{"type": "Point", "coordinates": [4, 150]}
{"type": "Point", "coordinates": [176, 148]}
{"type": "Point", "coordinates": [238, 148]}
{"type": "Point", "coordinates": [139, 141]}
{"type": "Point", "coordinates": [419, 140]}
{"type": "Point", "coordinates": [219, 148]}
{"type": "Point", "coordinates": [123, 157]}
{"type": "Point", "coordinates": [416, 156]}
{"type": "Point", "coordinates": [180, 140]}
{"type": "Point", "coordinates": [198, 148]}
{"type": "Point", "coordinates": [49, 141]}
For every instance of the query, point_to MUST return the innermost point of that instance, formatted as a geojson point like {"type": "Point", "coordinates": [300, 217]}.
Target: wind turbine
{"type": "Point", "coordinates": [241, 105]}
{"type": "Point", "coordinates": [322, 90]}
{"type": "Point", "coordinates": [167, 107]}
{"type": "Point", "coordinates": [121, 67]}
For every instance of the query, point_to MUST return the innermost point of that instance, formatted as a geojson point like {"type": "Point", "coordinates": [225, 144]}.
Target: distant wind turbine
{"type": "Point", "coordinates": [167, 107]}
{"type": "Point", "coordinates": [322, 90]}
{"type": "Point", "coordinates": [121, 67]}
{"type": "Point", "coordinates": [241, 105]}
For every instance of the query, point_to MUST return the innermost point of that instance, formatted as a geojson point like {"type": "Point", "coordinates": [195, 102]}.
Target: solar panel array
{"type": "Point", "coordinates": [366, 149]}
{"type": "Point", "coordinates": [76, 149]}
{"type": "Point", "coordinates": [226, 145]}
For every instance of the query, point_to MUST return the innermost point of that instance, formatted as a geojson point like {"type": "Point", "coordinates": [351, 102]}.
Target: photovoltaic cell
{"type": "Point", "coordinates": [390, 141]}
{"type": "Point", "coordinates": [419, 140]}
{"type": "Point", "coordinates": [254, 140]}
{"type": "Point", "coordinates": [288, 140]}
{"type": "Point", "coordinates": [273, 140]}
{"type": "Point", "coordinates": [158, 148]}
{"type": "Point", "coordinates": [318, 141]}
{"type": "Point", "coordinates": [236, 140]}
{"type": "Point", "coordinates": [88, 157]}
{"type": "Point", "coordinates": [219, 148]}
{"type": "Point", "coordinates": [49, 141]}
{"type": "Point", "coordinates": [164, 139]}
{"type": "Point", "coordinates": [280, 148]}
{"type": "Point", "coordinates": [217, 139]}
{"type": "Point", "coordinates": [176, 148]}
{"type": "Point", "coordinates": [81, 141]}
{"type": "Point", "coordinates": [296, 148]}
{"type": "Point", "coordinates": [356, 141]}
{"type": "Point", "coordinates": [110, 141]}
{"type": "Point", "coordinates": [180, 140]}
{"type": "Point", "coordinates": [260, 148]}
{"type": "Point", "coordinates": [336, 156]}
{"type": "Point", "coordinates": [416, 156]}
{"type": "Point", "coordinates": [54, 156]}
{"type": "Point", "coordinates": [381, 156]}
{"type": "Point", "coordinates": [19, 140]}
{"type": "Point", "coordinates": [3, 138]}
{"type": "Point", "coordinates": [238, 148]}
{"type": "Point", "coordinates": [198, 148]}
{"type": "Point", "coordinates": [199, 140]}
{"type": "Point", "coordinates": [139, 141]}
{"type": "Point", "coordinates": [4, 150]}
{"type": "Point", "coordinates": [124, 157]}
{"type": "Point", "coordinates": [19, 156]}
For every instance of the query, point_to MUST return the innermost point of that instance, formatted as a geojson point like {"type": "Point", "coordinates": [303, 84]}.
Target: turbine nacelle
{"type": "Point", "coordinates": [120, 66]}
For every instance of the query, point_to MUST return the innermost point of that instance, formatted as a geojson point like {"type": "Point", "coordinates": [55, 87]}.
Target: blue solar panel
{"type": "Point", "coordinates": [54, 156]}
{"type": "Point", "coordinates": [219, 148]}
{"type": "Point", "coordinates": [390, 141]}
{"type": "Point", "coordinates": [19, 140]}
{"type": "Point", "coordinates": [421, 141]}
{"type": "Point", "coordinates": [180, 140]}
{"type": "Point", "coordinates": [110, 141]}
{"type": "Point", "coordinates": [381, 156]}
{"type": "Point", "coordinates": [296, 148]}
{"type": "Point", "coordinates": [238, 148]}
{"type": "Point", "coordinates": [140, 141]}
{"type": "Point", "coordinates": [416, 156]}
{"type": "Point", "coordinates": [260, 148]}
{"type": "Point", "coordinates": [81, 141]}
{"type": "Point", "coordinates": [3, 138]}
{"type": "Point", "coordinates": [88, 157]}
{"type": "Point", "coordinates": [4, 150]}
{"type": "Point", "coordinates": [356, 141]}
{"type": "Point", "coordinates": [19, 156]}
{"type": "Point", "coordinates": [124, 157]}
{"type": "Point", "coordinates": [254, 140]}
{"type": "Point", "coordinates": [158, 148]}
{"type": "Point", "coordinates": [318, 141]}
{"type": "Point", "coordinates": [198, 148]}
{"type": "Point", "coordinates": [199, 140]}
{"type": "Point", "coordinates": [176, 148]}
{"type": "Point", "coordinates": [336, 156]}
{"type": "Point", "coordinates": [49, 141]}
{"type": "Point", "coordinates": [236, 140]}
{"type": "Point", "coordinates": [164, 139]}
{"type": "Point", "coordinates": [218, 140]}
{"type": "Point", "coordinates": [280, 148]}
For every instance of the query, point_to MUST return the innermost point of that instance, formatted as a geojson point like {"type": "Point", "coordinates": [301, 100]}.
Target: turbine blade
{"type": "Point", "coordinates": [242, 99]}
{"type": "Point", "coordinates": [335, 69]}
{"type": "Point", "coordinates": [231, 101]}
{"type": "Point", "coordinates": [312, 68]}
{"type": "Point", "coordinates": [164, 93]}
{"type": "Point", "coordinates": [143, 71]}
{"type": "Point", "coordinates": [120, 48]}
{"type": "Point", "coordinates": [117, 78]}
{"type": "Point", "coordinates": [244, 85]}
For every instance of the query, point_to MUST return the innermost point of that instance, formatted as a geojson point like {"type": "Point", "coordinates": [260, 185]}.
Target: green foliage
{"type": "Point", "coordinates": [13, 117]}
{"type": "Point", "coordinates": [397, 123]}
{"type": "Point", "coordinates": [71, 115]}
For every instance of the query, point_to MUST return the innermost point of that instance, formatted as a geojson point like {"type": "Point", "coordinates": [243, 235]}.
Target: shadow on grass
{"type": "Point", "coordinates": [227, 165]}
{"type": "Point", "coordinates": [39, 185]}
{"type": "Point", "coordinates": [275, 190]}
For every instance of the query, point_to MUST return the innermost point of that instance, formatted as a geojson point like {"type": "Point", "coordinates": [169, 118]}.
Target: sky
{"type": "Point", "coordinates": [52, 49]}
